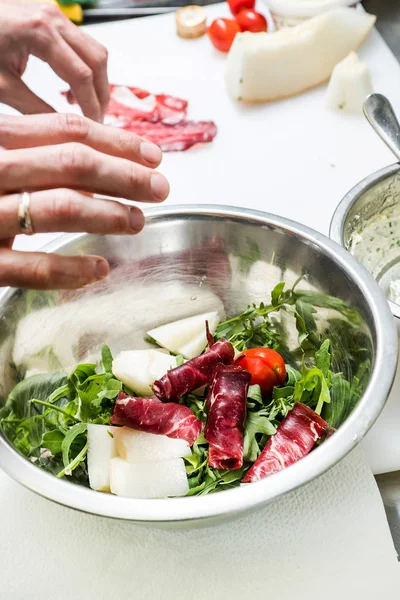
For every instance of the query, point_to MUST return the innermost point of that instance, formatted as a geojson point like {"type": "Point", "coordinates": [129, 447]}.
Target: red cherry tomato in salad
{"type": "Point", "coordinates": [237, 5]}
{"type": "Point", "coordinates": [251, 20]}
{"type": "Point", "coordinates": [266, 366]}
{"type": "Point", "coordinates": [222, 33]}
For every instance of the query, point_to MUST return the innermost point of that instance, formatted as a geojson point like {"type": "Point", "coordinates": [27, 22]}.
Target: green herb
{"type": "Point", "coordinates": [256, 423]}
{"type": "Point", "coordinates": [179, 360]}
{"type": "Point", "coordinates": [69, 438]}
{"type": "Point", "coordinates": [106, 358]}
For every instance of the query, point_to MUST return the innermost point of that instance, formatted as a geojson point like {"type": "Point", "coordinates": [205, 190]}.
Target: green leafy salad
{"type": "Point", "coordinates": [304, 349]}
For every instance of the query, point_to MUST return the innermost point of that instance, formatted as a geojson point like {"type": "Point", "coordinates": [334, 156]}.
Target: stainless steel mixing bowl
{"type": "Point", "coordinates": [367, 203]}
{"type": "Point", "coordinates": [188, 260]}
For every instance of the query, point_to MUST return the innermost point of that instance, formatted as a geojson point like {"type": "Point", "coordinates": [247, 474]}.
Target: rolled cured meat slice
{"type": "Point", "coordinates": [194, 373]}
{"type": "Point", "coordinates": [153, 416]}
{"type": "Point", "coordinates": [294, 439]}
{"type": "Point", "coordinates": [226, 408]}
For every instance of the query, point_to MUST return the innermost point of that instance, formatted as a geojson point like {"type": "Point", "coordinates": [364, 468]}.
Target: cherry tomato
{"type": "Point", "coordinates": [266, 366]}
{"type": "Point", "coordinates": [251, 20]}
{"type": "Point", "coordinates": [222, 33]}
{"type": "Point", "coordinates": [237, 5]}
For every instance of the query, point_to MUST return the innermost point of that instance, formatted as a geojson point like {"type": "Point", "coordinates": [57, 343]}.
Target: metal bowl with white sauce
{"type": "Point", "coordinates": [189, 260]}
{"type": "Point", "coordinates": [367, 224]}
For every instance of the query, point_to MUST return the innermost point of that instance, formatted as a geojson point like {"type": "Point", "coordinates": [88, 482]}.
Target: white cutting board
{"type": "Point", "coordinates": [294, 158]}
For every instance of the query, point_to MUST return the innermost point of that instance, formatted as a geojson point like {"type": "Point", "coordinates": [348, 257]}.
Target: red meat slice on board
{"type": "Point", "coordinates": [226, 414]}
{"type": "Point", "coordinates": [132, 103]}
{"type": "Point", "coordinates": [153, 416]}
{"type": "Point", "coordinates": [178, 137]}
{"type": "Point", "coordinates": [159, 118]}
{"type": "Point", "coordinates": [294, 439]}
{"type": "Point", "coordinates": [194, 373]}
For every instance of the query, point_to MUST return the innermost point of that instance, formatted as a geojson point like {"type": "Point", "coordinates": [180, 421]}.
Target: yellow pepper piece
{"type": "Point", "coordinates": [72, 11]}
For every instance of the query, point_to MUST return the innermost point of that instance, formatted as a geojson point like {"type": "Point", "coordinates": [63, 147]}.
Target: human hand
{"type": "Point", "coordinates": [54, 156]}
{"type": "Point", "coordinates": [43, 31]}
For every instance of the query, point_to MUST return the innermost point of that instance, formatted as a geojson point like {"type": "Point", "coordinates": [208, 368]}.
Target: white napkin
{"type": "Point", "coordinates": [327, 540]}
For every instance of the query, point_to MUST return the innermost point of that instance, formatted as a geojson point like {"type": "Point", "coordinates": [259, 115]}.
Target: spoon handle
{"type": "Point", "coordinates": [382, 118]}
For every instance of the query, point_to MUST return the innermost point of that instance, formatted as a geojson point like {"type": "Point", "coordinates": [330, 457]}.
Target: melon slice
{"type": "Point", "coordinates": [140, 446]}
{"type": "Point", "coordinates": [350, 84]}
{"type": "Point", "coordinates": [138, 369]}
{"type": "Point", "coordinates": [270, 66]}
{"type": "Point", "coordinates": [186, 336]}
{"type": "Point", "coordinates": [148, 480]}
{"type": "Point", "coordinates": [101, 449]}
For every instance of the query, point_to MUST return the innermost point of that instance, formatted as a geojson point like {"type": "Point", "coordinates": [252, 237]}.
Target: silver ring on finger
{"type": "Point", "coordinates": [24, 215]}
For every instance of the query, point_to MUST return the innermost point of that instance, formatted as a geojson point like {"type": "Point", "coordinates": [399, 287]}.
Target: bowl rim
{"type": "Point", "coordinates": [336, 228]}
{"type": "Point", "coordinates": [230, 503]}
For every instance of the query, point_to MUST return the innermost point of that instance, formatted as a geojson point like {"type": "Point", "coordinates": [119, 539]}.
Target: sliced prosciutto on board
{"type": "Point", "coordinates": [134, 104]}
{"type": "Point", "coordinates": [137, 104]}
{"type": "Point", "coordinates": [159, 118]}
{"type": "Point", "coordinates": [173, 138]}
{"type": "Point", "coordinates": [194, 373]}
{"type": "Point", "coordinates": [153, 416]}
{"type": "Point", "coordinates": [226, 414]}
{"type": "Point", "coordinates": [294, 439]}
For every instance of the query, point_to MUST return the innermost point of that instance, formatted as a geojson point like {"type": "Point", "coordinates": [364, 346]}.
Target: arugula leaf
{"type": "Point", "coordinates": [179, 360]}
{"type": "Point", "coordinates": [79, 458]}
{"type": "Point", "coordinates": [28, 435]}
{"type": "Point", "coordinates": [106, 358]}
{"type": "Point", "coordinates": [276, 294]}
{"type": "Point", "coordinates": [52, 440]}
{"type": "Point", "coordinates": [69, 438]}
{"type": "Point", "coordinates": [312, 389]}
{"type": "Point", "coordinates": [250, 329]}
{"type": "Point", "coordinates": [37, 386]}
{"type": "Point", "coordinates": [306, 325]}
{"type": "Point", "coordinates": [323, 358]}
{"type": "Point", "coordinates": [197, 405]}
{"type": "Point", "coordinates": [254, 393]}
{"type": "Point", "coordinates": [256, 423]}
{"type": "Point", "coordinates": [293, 375]}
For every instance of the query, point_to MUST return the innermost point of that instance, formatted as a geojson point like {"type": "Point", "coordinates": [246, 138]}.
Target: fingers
{"type": "Point", "coordinates": [43, 130]}
{"type": "Point", "coordinates": [71, 68]}
{"type": "Point", "coordinates": [76, 166]}
{"type": "Point", "coordinates": [69, 211]}
{"type": "Point", "coordinates": [37, 270]}
{"type": "Point", "coordinates": [47, 43]}
{"type": "Point", "coordinates": [94, 55]}
{"type": "Point", "coordinates": [15, 93]}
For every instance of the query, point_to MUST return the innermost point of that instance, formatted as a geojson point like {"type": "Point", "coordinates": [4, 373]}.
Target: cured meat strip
{"type": "Point", "coordinates": [194, 373]}
{"type": "Point", "coordinates": [153, 416]}
{"type": "Point", "coordinates": [132, 103]}
{"type": "Point", "coordinates": [294, 439]}
{"type": "Point", "coordinates": [159, 118]}
{"type": "Point", "coordinates": [226, 407]}
{"type": "Point", "coordinates": [178, 137]}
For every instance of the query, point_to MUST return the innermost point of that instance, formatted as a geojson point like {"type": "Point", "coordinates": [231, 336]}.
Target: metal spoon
{"type": "Point", "coordinates": [382, 118]}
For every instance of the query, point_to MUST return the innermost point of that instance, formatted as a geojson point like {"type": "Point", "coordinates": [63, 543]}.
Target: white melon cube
{"type": "Point", "coordinates": [139, 446]}
{"type": "Point", "coordinates": [187, 336]}
{"type": "Point", "coordinates": [101, 448]}
{"type": "Point", "coordinates": [349, 85]}
{"type": "Point", "coordinates": [138, 369]}
{"type": "Point", "coordinates": [148, 480]}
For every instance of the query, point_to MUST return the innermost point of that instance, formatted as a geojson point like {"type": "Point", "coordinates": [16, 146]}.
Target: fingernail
{"type": "Point", "coordinates": [101, 269]}
{"type": "Point", "coordinates": [137, 219]}
{"type": "Point", "coordinates": [159, 186]}
{"type": "Point", "coordinates": [150, 152]}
